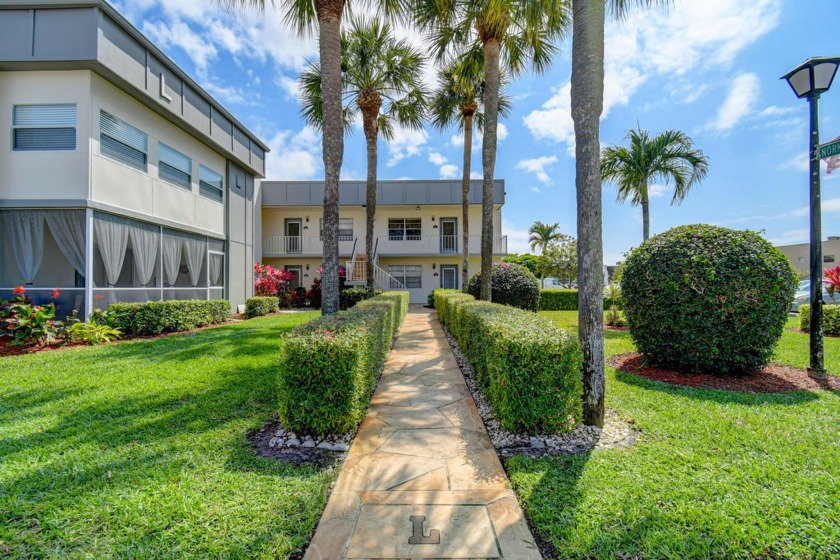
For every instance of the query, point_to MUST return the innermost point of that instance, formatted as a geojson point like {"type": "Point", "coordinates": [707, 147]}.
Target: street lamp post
{"type": "Point", "coordinates": [809, 80]}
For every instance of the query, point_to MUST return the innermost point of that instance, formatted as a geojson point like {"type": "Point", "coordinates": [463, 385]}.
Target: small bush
{"type": "Point", "coordinates": [92, 333]}
{"type": "Point", "coordinates": [330, 365]}
{"type": "Point", "coordinates": [511, 284]}
{"type": "Point", "coordinates": [529, 370]}
{"type": "Point", "coordinates": [156, 317]}
{"type": "Point", "coordinates": [261, 305]}
{"type": "Point", "coordinates": [703, 298]}
{"type": "Point", "coordinates": [566, 299]}
{"type": "Point", "coordinates": [349, 297]}
{"type": "Point", "coordinates": [831, 319]}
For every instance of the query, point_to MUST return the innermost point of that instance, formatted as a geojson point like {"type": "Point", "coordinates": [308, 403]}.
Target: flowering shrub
{"type": "Point", "coordinates": [270, 281]}
{"type": "Point", "coordinates": [832, 280]}
{"type": "Point", "coordinates": [314, 293]}
{"type": "Point", "coordinates": [27, 323]}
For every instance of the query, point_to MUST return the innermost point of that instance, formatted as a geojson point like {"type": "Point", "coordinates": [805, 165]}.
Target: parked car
{"type": "Point", "coordinates": [803, 296]}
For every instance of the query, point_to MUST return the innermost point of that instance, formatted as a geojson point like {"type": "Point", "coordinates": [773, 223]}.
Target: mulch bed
{"type": "Point", "coordinates": [772, 379]}
{"type": "Point", "coordinates": [612, 328]}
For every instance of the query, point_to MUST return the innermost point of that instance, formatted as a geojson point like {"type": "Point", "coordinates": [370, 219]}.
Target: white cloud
{"type": "Point", "coordinates": [290, 85]}
{"type": "Point", "coordinates": [657, 191]}
{"type": "Point", "coordinates": [406, 143]}
{"type": "Point", "coordinates": [475, 175]}
{"type": "Point", "coordinates": [828, 206]}
{"type": "Point", "coordinates": [739, 103]}
{"type": "Point", "coordinates": [538, 167]}
{"type": "Point", "coordinates": [791, 237]}
{"type": "Point", "coordinates": [436, 159]}
{"type": "Point", "coordinates": [294, 156]}
{"type": "Point", "coordinates": [501, 132]}
{"type": "Point", "coordinates": [517, 238]}
{"type": "Point", "coordinates": [448, 171]}
{"type": "Point", "coordinates": [179, 34]}
{"type": "Point", "coordinates": [774, 111]}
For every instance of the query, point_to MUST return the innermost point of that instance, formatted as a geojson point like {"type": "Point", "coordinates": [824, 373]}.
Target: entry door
{"type": "Point", "coordinates": [448, 235]}
{"type": "Point", "coordinates": [293, 238]}
{"type": "Point", "coordinates": [449, 276]}
{"type": "Point", "coordinates": [294, 283]}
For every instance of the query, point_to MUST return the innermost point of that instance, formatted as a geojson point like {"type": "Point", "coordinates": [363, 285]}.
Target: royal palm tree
{"type": "Point", "coordinates": [588, 20]}
{"type": "Point", "coordinates": [458, 100]}
{"type": "Point", "coordinates": [381, 82]}
{"type": "Point", "coordinates": [324, 17]}
{"type": "Point", "coordinates": [512, 35]}
{"type": "Point", "coordinates": [542, 235]}
{"type": "Point", "coordinates": [670, 156]}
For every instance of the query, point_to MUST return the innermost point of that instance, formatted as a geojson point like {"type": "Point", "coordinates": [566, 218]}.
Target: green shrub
{"type": "Point", "coordinates": [831, 319]}
{"type": "Point", "coordinates": [261, 305]}
{"type": "Point", "coordinates": [529, 370]}
{"type": "Point", "coordinates": [566, 299]}
{"type": "Point", "coordinates": [349, 297]}
{"type": "Point", "coordinates": [330, 365]}
{"type": "Point", "coordinates": [703, 298]}
{"type": "Point", "coordinates": [92, 333]}
{"type": "Point", "coordinates": [156, 317]}
{"type": "Point", "coordinates": [512, 284]}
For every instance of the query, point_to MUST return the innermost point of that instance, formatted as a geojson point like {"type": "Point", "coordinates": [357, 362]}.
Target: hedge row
{"type": "Point", "coordinates": [563, 299]}
{"type": "Point", "coordinates": [330, 365]}
{"type": "Point", "coordinates": [831, 318]}
{"type": "Point", "coordinates": [261, 305]}
{"type": "Point", "coordinates": [349, 297]}
{"type": "Point", "coordinates": [156, 317]}
{"type": "Point", "coordinates": [529, 370]}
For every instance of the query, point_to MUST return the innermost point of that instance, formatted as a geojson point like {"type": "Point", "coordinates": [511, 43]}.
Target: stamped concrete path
{"type": "Point", "coordinates": [422, 479]}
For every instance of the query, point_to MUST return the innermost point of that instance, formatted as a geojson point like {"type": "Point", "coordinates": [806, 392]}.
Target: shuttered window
{"type": "Point", "coordinates": [210, 183]}
{"type": "Point", "coordinates": [173, 166]}
{"type": "Point", "coordinates": [122, 142]}
{"type": "Point", "coordinates": [44, 127]}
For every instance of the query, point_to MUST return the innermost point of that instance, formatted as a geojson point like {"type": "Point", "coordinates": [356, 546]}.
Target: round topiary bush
{"type": "Point", "coordinates": [702, 298]}
{"type": "Point", "coordinates": [512, 284]}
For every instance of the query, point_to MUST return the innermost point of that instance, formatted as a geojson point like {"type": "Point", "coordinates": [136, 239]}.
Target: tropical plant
{"type": "Point", "coordinates": [458, 100]}
{"type": "Point", "coordinates": [613, 317]}
{"type": "Point", "coordinates": [560, 260]}
{"type": "Point", "coordinates": [529, 261]}
{"type": "Point", "coordinates": [270, 281]}
{"type": "Point", "coordinates": [832, 280]}
{"type": "Point", "coordinates": [27, 323]}
{"type": "Point", "coordinates": [92, 333]}
{"type": "Point", "coordinates": [511, 35]}
{"type": "Point", "coordinates": [382, 81]}
{"type": "Point", "coordinates": [669, 156]}
{"type": "Point", "coordinates": [587, 96]}
{"type": "Point", "coordinates": [541, 235]}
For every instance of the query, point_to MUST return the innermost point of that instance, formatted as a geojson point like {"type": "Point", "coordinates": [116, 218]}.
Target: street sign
{"type": "Point", "coordinates": [830, 149]}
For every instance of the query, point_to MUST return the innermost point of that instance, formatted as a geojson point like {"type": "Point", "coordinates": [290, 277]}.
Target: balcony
{"type": "Point", "coordinates": [299, 246]}
{"type": "Point", "coordinates": [435, 245]}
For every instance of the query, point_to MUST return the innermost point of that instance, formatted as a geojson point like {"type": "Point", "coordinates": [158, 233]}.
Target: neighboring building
{"type": "Point", "coordinates": [800, 254]}
{"type": "Point", "coordinates": [418, 233]}
{"type": "Point", "coordinates": [120, 178]}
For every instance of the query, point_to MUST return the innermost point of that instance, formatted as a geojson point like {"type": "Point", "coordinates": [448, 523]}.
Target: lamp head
{"type": "Point", "coordinates": [813, 77]}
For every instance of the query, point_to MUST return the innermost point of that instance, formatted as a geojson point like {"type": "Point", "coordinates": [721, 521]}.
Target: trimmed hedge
{"type": "Point", "coordinates": [831, 319]}
{"type": "Point", "coordinates": [156, 317]}
{"type": "Point", "coordinates": [703, 298]}
{"type": "Point", "coordinates": [511, 284]}
{"type": "Point", "coordinates": [261, 305]}
{"type": "Point", "coordinates": [529, 370]}
{"type": "Point", "coordinates": [330, 365]}
{"type": "Point", "coordinates": [349, 297]}
{"type": "Point", "coordinates": [564, 299]}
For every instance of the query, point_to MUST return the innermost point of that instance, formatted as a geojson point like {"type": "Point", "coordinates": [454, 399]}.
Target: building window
{"type": "Point", "coordinates": [210, 183]}
{"type": "Point", "coordinates": [404, 229]}
{"type": "Point", "coordinates": [345, 229]}
{"type": "Point", "coordinates": [122, 142]}
{"type": "Point", "coordinates": [410, 275]}
{"type": "Point", "coordinates": [44, 127]}
{"type": "Point", "coordinates": [173, 166]}
{"type": "Point", "coordinates": [828, 258]}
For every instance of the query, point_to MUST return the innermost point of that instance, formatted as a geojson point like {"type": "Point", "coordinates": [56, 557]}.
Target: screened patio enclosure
{"type": "Point", "coordinates": [125, 259]}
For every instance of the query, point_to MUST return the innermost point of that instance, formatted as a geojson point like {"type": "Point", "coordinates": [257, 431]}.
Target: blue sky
{"type": "Point", "coordinates": [708, 67]}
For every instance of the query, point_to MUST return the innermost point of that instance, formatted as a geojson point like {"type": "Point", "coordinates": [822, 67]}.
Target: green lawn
{"type": "Point", "coordinates": [138, 450]}
{"type": "Point", "coordinates": [715, 474]}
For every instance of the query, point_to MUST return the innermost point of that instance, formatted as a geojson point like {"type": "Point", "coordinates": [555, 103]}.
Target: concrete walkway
{"type": "Point", "coordinates": [422, 479]}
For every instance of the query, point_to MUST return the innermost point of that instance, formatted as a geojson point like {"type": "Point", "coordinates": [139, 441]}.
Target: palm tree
{"type": "Point", "coordinates": [542, 235]}
{"type": "Point", "coordinates": [511, 34]}
{"type": "Point", "coordinates": [324, 17]}
{"type": "Point", "coordinates": [458, 100]}
{"type": "Point", "coordinates": [667, 156]}
{"type": "Point", "coordinates": [587, 105]}
{"type": "Point", "coordinates": [377, 70]}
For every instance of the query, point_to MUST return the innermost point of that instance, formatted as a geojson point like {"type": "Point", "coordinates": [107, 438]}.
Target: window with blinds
{"type": "Point", "coordinates": [410, 275]}
{"type": "Point", "coordinates": [345, 229]}
{"type": "Point", "coordinates": [404, 229]}
{"type": "Point", "coordinates": [210, 183]}
{"type": "Point", "coordinates": [174, 167]}
{"type": "Point", "coordinates": [122, 142]}
{"type": "Point", "coordinates": [44, 127]}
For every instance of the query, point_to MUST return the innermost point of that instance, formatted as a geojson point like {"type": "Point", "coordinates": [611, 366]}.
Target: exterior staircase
{"type": "Point", "coordinates": [356, 271]}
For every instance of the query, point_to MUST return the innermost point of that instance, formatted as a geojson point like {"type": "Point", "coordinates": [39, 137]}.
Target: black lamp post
{"type": "Point", "coordinates": [809, 80]}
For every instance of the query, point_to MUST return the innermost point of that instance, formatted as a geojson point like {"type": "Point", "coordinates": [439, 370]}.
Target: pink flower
{"type": "Point", "coordinates": [19, 290]}
{"type": "Point", "coordinates": [56, 293]}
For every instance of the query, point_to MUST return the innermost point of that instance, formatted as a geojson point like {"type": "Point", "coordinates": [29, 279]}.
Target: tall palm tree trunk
{"type": "Point", "coordinates": [492, 48]}
{"type": "Point", "coordinates": [329, 44]}
{"type": "Point", "coordinates": [587, 105]}
{"type": "Point", "coordinates": [645, 214]}
{"type": "Point", "coordinates": [370, 113]}
{"type": "Point", "coordinates": [465, 201]}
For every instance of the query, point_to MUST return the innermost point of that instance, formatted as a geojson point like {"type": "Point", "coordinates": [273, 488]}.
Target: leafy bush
{"type": "Point", "coordinates": [155, 317]}
{"type": "Point", "coordinates": [430, 299]}
{"type": "Point", "coordinates": [330, 365]}
{"type": "Point", "coordinates": [314, 293]}
{"type": "Point", "coordinates": [349, 297]}
{"type": "Point", "coordinates": [261, 305]}
{"type": "Point", "coordinates": [92, 333]}
{"type": "Point", "coordinates": [529, 370]}
{"type": "Point", "coordinates": [831, 319]}
{"type": "Point", "coordinates": [703, 298]}
{"type": "Point", "coordinates": [566, 299]}
{"type": "Point", "coordinates": [27, 323]}
{"type": "Point", "coordinates": [511, 284]}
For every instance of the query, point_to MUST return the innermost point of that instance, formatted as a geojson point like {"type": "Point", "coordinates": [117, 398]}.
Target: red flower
{"type": "Point", "coordinates": [832, 280]}
{"type": "Point", "coordinates": [19, 290]}
{"type": "Point", "coordinates": [55, 293]}
{"type": "Point", "coordinates": [98, 296]}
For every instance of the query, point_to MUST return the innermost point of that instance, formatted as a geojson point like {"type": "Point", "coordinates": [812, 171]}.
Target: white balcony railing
{"type": "Point", "coordinates": [436, 245]}
{"type": "Point", "coordinates": [281, 245]}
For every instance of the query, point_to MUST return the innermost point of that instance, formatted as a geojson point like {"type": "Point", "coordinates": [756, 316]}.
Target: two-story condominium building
{"type": "Point", "coordinates": [417, 230]}
{"type": "Point", "coordinates": [120, 178]}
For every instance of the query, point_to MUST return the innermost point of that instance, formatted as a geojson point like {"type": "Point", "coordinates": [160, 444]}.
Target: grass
{"type": "Point", "coordinates": [139, 450]}
{"type": "Point", "coordinates": [715, 474]}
